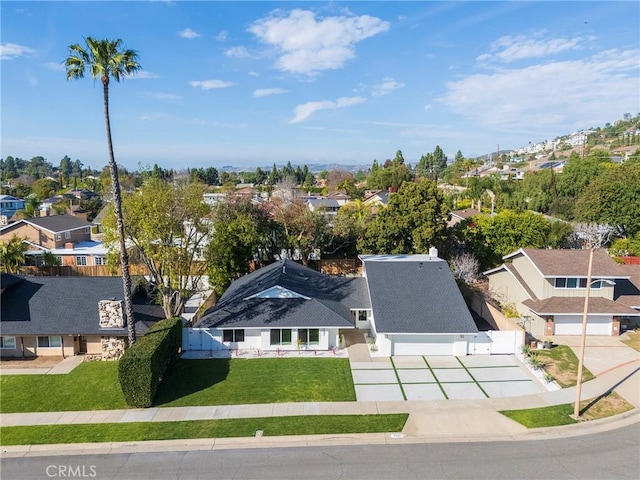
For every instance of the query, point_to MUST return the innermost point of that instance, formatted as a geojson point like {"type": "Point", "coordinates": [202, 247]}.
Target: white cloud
{"type": "Point", "coordinates": [209, 84]}
{"type": "Point", "coordinates": [253, 74]}
{"type": "Point", "coordinates": [385, 87]}
{"type": "Point", "coordinates": [428, 107]}
{"type": "Point", "coordinates": [265, 92]}
{"type": "Point", "coordinates": [161, 96]}
{"type": "Point", "coordinates": [222, 35]}
{"type": "Point", "coordinates": [557, 94]}
{"type": "Point", "coordinates": [12, 50]}
{"type": "Point", "coordinates": [189, 34]}
{"type": "Point", "coordinates": [141, 74]}
{"type": "Point", "coordinates": [511, 48]}
{"type": "Point", "coordinates": [54, 66]}
{"type": "Point", "coordinates": [239, 52]}
{"type": "Point", "coordinates": [305, 110]}
{"type": "Point", "coordinates": [308, 45]}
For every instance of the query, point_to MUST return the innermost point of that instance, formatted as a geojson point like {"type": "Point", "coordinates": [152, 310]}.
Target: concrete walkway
{"type": "Point", "coordinates": [65, 366]}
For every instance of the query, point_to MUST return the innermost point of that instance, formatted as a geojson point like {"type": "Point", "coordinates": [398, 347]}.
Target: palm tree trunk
{"type": "Point", "coordinates": [117, 203]}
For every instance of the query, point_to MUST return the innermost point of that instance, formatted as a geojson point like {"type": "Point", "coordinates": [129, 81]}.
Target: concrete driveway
{"type": "Point", "coordinates": [601, 353]}
{"type": "Point", "coordinates": [442, 377]}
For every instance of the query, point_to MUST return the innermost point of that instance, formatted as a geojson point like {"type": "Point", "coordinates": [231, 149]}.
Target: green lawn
{"type": "Point", "coordinates": [94, 385]}
{"type": "Point", "coordinates": [240, 427]}
{"type": "Point", "coordinates": [542, 417]}
{"type": "Point", "coordinates": [90, 386]}
{"type": "Point", "coordinates": [267, 380]}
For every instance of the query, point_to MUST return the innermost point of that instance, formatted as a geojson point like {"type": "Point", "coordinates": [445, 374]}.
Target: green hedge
{"type": "Point", "coordinates": [143, 365]}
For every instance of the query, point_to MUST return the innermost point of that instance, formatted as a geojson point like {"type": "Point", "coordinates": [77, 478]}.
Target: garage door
{"type": "Point", "coordinates": [422, 345]}
{"type": "Point", "coordinates": [572, 325]}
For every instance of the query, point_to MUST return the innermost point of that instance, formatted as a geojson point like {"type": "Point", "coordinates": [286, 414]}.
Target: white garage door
{"type": "Point", "coordinates": [422, 345]}
{"type": "Point", "coordinates": [572, 325]}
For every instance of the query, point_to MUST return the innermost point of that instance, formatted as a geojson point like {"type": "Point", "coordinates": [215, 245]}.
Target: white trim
{"type": "Point", "coordinates": [277, 292]}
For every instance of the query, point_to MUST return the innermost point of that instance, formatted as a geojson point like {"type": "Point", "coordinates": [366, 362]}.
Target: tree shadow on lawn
{"type": "Point", "coordinates": [191, 376]}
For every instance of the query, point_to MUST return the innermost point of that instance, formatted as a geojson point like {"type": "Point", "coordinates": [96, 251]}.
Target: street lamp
{"type": "Point", "coordinates": [583, 339]}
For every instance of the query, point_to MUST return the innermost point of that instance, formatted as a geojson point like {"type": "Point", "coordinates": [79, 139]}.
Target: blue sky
{"type": "Point", "coordinates": [253, 83]}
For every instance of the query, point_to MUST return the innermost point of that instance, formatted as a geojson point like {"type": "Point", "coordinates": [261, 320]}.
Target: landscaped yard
{"type": "Point", "coordinates": [237, 427]}
{"type": "Point", "coordinates": [601, 407]}
{"type": "Point", "coordinates": [94, 385]}
{"type": "Point", "coordinates": [562, 364]}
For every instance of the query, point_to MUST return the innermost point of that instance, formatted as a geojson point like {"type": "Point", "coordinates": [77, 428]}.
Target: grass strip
{"type": "Point", "coordinates": [472, 377]}
{"type": "Point", "coordinates": [395, 370]}
{"type": "Point", "coordinates": [223, 428]}
{"type": "Point", "coordinates": [436, 378]}
{"type": "Point", "coordinates": [603, 406]}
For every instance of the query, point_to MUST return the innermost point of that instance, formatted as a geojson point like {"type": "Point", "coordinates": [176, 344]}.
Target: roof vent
{"type": "Point", "coordinates": [433, 252]}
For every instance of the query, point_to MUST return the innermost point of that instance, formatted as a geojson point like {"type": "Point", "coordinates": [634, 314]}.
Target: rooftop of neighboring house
{"type": "Point", "coordinates": [53, 223]}
{"type": "Point", "coordinates": [67, 306]}
{"type": "Point", "coordinates": [79, 248]}
{"type": "Point", "coordinates": [571, 263]}
{"type": "Point", "coordinates": [466, 213]}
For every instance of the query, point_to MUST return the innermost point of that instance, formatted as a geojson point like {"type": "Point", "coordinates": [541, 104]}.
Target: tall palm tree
{"type": "Point", "coordinates": [107, 59]}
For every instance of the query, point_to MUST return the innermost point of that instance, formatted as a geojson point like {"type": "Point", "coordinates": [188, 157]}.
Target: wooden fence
{"type": "Point", "coordinates": [630, 260]}
{"type": "Point", "coordinates": [88, 271]}
{"type": "Point", "coordinates": [338, 266]}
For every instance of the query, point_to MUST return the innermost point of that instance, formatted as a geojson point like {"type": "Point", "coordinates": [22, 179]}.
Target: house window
{"type": "Point", "coordinates": [309, 336]}
{"type": "Point", "coordinates": [280, 336]}
{"type": "Point", "coordinates": [87, 230]}
{"type": "Point", "coordinates": [99, 260]}
{"type": "Point", "coordinates": [81, 261]}
{"type": "Point", "coordinates": [59, 259]}
{"type": "Point", "coordinates": [58, 237]}
{"type": "Point", "coordinates": [7, 342]}
{"type": "Point", "coordinates": [67, 235]}
{"type": "Point", "coordinates": [233, 335]}
{"type": "Point", "coordinates": [362, 316]}
{"type": "Point", "coordinates": [50, 341]}
{"type": "Point", "coordinates": [574, 283]}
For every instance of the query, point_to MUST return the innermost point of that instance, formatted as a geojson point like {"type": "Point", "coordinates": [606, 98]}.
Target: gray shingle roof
{"type": "Point", "coordinates": [415, 294]}
{"type": "Point", "coordinates": [59, 223]}
{"type": "Point", "coordinates": [330, 299]}
{"type": "Point", "coordinates": [67, 306]}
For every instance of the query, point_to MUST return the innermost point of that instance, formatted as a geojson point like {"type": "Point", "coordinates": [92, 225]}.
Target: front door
{"type": "Point", "coordinates": [83, 345]}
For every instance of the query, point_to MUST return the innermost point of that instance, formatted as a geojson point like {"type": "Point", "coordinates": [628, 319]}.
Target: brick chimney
{"type": "Point", "coordinates": [68, 245]}
{"type": "Point", "coordinates": [110, 313]}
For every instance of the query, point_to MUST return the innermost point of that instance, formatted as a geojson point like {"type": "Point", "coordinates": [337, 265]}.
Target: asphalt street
{"type": "Point", "coordinates": [606, 455]}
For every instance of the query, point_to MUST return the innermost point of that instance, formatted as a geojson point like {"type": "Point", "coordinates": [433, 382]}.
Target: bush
{"type": "Point", "coordinates": [143, 365]}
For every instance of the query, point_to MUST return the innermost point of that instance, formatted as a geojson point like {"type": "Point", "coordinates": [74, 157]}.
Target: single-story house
{"type": "Point", "coordinates": [68, 316]}
{"type": "Point", "coordinates": [410, 305]}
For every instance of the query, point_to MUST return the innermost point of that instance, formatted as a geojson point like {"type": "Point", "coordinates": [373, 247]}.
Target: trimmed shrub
{"type": "Point", "coordinates": [143, 365]}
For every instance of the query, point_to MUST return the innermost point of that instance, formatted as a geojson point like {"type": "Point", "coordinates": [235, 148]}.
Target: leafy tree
{"type": "Point", "coordinates": [167, 226]}
{"type": "Point", "coordinates": [349, 227]}
{"type": "Point", "coordinates": [12, 255]}
{"type": "Point", "coordinates": [629, 246]}
{"type": "Point", "coordinates": [414, 220]}
{"type": "Point", "coordinates": [489, 238]}
{"type": "Point", "coordinates": [613, 198]}
{"type": "Point", "coordinates": [49, 259]}
{"type": "Point", "coordinates": [44, 188]}
{"type": "Point", "coordinates": [106, 59]}
{"type": "Point", "coordinates": [304, 232]}
{"type": "Point", "coordinates": [241, 232]}
{"type": "Point", "coordinates": [64, 171]}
